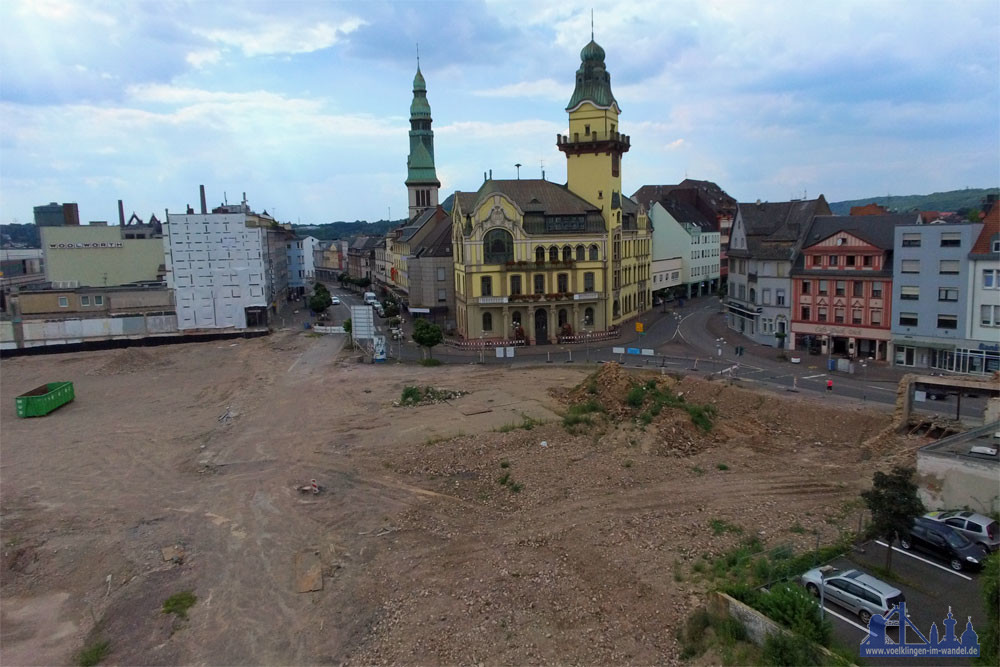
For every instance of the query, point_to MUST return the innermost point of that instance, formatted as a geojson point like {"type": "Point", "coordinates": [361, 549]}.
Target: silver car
{"type": "Point", "coordinates": [980, 529]}
{"type": "Point", "coordinates": [854, 590]}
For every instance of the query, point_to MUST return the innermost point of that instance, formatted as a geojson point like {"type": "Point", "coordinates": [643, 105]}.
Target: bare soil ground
{"type": "Point", "coordinates": [423, 555]}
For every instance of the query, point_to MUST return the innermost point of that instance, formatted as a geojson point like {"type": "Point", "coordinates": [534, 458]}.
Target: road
{"type": "Point", "coordinates": [681, 341]}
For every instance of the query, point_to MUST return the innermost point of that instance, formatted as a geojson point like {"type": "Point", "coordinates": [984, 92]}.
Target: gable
{"type": "Point", "coordinates": [738, 234]}
{"type": "Point", "coordinates": [841, 240]}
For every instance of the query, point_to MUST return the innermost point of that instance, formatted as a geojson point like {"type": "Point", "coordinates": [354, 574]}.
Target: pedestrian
{"type": "Point", "coordinates": [829, 385]}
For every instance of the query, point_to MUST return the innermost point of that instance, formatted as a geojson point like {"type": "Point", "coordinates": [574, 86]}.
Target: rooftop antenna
{"type": "Point", "coordinates": [591, 24]}
{"type": "Point", "coordinates": [518, 167]}
{"type": "Point", "coordinates": [224, 198]}
{"type": "Point", "coordinates": [418, 55]}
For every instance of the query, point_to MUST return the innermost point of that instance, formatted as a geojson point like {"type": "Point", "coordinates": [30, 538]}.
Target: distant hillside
{"type": "Point", "coordinates": [343, 230]}
{"type": "Point", "coordinates": [955, 200]}
{"type": "Point", "coordinates": [26, 235]}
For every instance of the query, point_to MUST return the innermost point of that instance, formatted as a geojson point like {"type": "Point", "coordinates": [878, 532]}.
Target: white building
{"type": "Point", "coordinates": [984, 276]}
{"type": "Point", "coordinates": [215, 265]}
{"type": "Point", "coordinates": [680, 230]}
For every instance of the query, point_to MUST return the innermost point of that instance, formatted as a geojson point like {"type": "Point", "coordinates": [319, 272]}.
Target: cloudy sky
{"type": "Point", "coordinates": [304, 105]}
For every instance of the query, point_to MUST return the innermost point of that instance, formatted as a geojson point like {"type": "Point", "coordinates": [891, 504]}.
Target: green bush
{"type": "Point", "coordinates": [411, 396]}
{"type": "Point", "coordinates": [586, 407]}
{"type": "Point", "coordinates": [989, 636]}
{"type": "Point", "coordinates": [784, 650]}
{"type": "Point", "coordinates": [636, 395]}
{"type": "Point", "coordinates": [179, 603]}
{"type": "Point", "coordinates": [702, 416]}
{"type": "Point", "coordinates": [792, 607]}
{"type": "Point", "coordinates": [93, 654]}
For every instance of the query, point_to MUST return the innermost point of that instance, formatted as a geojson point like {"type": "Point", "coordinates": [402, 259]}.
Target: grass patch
{"type": "Point", "coordinates": [698, 471]}
{"type": "Point", "coordinates": [702, 416]}
{"type": "Point", "coordinates": [417, 395]}
{"type": "Point", "coordinates": [719, 527]}
{"type": "Point", "coordinates": [179, 603]}
{"type": "Point", "coordinates": [705, 630]}
{"type": "Point", "coordinates": [411, 396]}
{"type": "Point", "coordinates": [93, 654]}
{"type": "Point", "coordinates": [797, 528]}
{"type": "Point", "coordinates": [571, 420]}
{"type": "Point", "coordinates": [636, 396]}
{"type": "Point", "coordinates": [627, 463]}
{"type": "Point", "coordinates": [504, 479]}
{"type": "Point", "coordinates": [430, 362]}
{"type": "Point", "coordinates": [646, 419]}
{"type": "Point", "coordinates": [505, 463]}
{"type": "Point", "coordinates": [591, 387]}
{"type": "Point", "coordinates": [515, 487]}
{"type": "Point", "coordinates": [506, 428]}
{"type": "Point", "coordinates": [722, 466]}
{"type": "Point", "coordinates": [586, 407]}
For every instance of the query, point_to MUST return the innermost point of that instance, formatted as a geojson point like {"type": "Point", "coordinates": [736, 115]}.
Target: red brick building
{"type": "Point", "coordinates": [842, 285]}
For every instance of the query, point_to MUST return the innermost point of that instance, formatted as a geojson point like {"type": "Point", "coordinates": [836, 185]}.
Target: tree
{"type": "Point", "coordinates": [347, 325]}
{"type": "Point", "coordinates": [320, 301]}
{"type": "Point", "coordinates": [894, 504]}
{"type": "Point", "coordinates": [320, 287]}
{"type": "Point", "coordinates": [989, 637]}
{"type": "Point", "coordinates": [427, 334]}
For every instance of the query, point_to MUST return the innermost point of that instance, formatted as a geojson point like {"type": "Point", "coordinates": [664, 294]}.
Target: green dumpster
{"type": "Point", "coordinates": [40, 401]}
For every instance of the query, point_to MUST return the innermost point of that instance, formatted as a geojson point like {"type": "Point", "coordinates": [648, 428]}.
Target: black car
{"type": "Point", "coordinates": [943, 541]}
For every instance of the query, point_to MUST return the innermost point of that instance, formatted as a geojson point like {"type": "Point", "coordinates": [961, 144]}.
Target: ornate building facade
{"type": "Point", "coordinates": [535, 260]}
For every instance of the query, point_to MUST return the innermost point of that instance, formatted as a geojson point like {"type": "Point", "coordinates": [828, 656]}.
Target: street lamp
{"type": "Point", "coordinates": [864, 389]}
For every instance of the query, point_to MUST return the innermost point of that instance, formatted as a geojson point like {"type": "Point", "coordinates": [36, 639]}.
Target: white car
{"type": "Point", "coordinates": [335, 300]}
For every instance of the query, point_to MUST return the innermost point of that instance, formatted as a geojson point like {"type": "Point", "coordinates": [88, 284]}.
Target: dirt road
{"type": "Point", "coordinates": [424, 557]}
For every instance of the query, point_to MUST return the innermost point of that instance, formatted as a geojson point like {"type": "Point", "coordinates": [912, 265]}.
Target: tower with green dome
{"type": "Point", "coordinates": [421, 179]}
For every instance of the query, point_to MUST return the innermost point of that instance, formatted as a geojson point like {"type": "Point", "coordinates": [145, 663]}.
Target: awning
{"type": "Point", "coordinates": [743, 311]}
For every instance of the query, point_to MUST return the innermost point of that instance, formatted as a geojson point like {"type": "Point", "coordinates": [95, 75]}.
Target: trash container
{"type": "Point", "coordinates": [831, 364]}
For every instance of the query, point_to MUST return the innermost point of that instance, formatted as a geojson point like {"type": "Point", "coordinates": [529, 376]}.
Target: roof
{"type": "Point", "coordinates": [685, 213]}
{"type": "Point", "coordinates": [552, 198]}
{"type": "Point", "coordinates": [989, 233]}
{"type": "Point", "coordinates": [713, 197]}
{"type": "Point", "coordinates": [593, 83]}
{"type": "Point", "coordinates": [878, 230]}
{"type": "Point", "coordinates": [414, 226]}
{"type": "Point", "coordinates": [774, 229]}
{"type": "Point", "coordinates": [438, 242]}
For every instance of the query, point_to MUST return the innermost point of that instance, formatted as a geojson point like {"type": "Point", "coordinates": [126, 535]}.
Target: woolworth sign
{"type": "Point", "coordinates": [74, 246]}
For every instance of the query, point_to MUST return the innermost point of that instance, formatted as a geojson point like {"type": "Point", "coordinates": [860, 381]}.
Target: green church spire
{"type": "Point", "coordinates": [593, 83]}
{"type": "Point", "coordinates": [421, 178]}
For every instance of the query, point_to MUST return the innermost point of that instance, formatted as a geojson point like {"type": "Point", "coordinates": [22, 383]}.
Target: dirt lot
{"type": "Point", "coordinates": [422, 555]}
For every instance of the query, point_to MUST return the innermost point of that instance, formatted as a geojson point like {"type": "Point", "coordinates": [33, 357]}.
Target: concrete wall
{"type": "Point", "coordinates": [39, 333]}
{"type": "Point", "coordinates": [71, 254]}
{"type": "Point", "coordinates": [949, 482]}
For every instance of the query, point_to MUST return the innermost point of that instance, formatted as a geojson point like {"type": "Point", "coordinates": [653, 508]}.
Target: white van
{"type": "Point", "coordinates": [370, 298]}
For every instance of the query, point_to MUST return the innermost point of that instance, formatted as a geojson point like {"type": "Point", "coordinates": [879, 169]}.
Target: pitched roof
{"type": "Point", "coordinates": [438, 242]}
{"type": "Point", "coordinates": [774, 229]}
{"type": "Point", "coordinates": [879, 230]}
{"type": "Point", "coordinates": [685, 213]}
{"type": "Point", "coordinates": [415, 225]}
{"type": "Point", "coordinates": [554, 199]}
{"type": "Point", "coordinates": [990, 231]}
{"type": "Point", "coordinates": [711, 195]}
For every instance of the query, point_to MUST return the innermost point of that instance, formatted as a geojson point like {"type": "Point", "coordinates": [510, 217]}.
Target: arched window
{"type": "Point", "coordinates": [595, 253]}
{"type": "Point", "coordinates": [562, 283]}
{"type": "Point", "coordinates": [567, 253]}
{"type": "Point", "coordinates": [588, 317]}
{"type": "Point", "coordinates": [487, 321]}
{"type": "Point", "coordinates": [498, 247]}
{"type": "Point", "coordinates": [540, 254]}
{"type": "Point", "coordinates": [553, 254]}
{"type": "Point", "coordinates": [515, 319]}
{"type": "Point", "coordinates": [562, 316]}
{"type": "Point", "coordinates": [581, 253]}
{"type": "Point", "coordinates": [616, 310]}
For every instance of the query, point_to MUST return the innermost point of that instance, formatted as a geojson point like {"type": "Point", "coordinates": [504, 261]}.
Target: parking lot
{"type": "Point", "coordinates": [930, 588]}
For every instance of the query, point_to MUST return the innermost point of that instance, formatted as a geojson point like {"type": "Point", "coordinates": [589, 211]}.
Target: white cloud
{"type": "Point", "coordinates": [547, 89]}
{"type": "Point", "coordinates": [521, 129]}
{"type": "Point", "coordinates": [273, 37]}
{"type": "Point", "coordinates": [203, 57]}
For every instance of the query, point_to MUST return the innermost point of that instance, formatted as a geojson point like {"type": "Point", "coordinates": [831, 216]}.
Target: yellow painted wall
{"type": "Point", "coordinates": [135, 260]}
{"type": "Point", "coordinates": [589, 175]}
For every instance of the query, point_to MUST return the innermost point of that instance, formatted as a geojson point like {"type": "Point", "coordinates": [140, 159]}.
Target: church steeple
{"type": "Point", "coordinates": [421, 178]}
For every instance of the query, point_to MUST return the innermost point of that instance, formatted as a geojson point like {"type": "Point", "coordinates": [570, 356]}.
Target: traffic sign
{"type": "Point", "coordinates": [638, 327]}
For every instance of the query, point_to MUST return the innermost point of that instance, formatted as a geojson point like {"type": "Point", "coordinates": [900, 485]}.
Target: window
{"type": "Point", "coordinates": [989, 316]}
{"type": "Point", "coordinates": [947, 294]}
{"type": "Point", "coordinates": [841, 287]}
{"type": "Point", "coordinates": [567, 254]}
{"type": "Point", "coordinates": [539, 283]}
{"type": "Point", "coordinates": [562, 282]}
{"type": "Point", "coordinates": [866, 260]}
{"type": "Point", "coordinates": [947, 322]}
{"type": "Point", "coordinates": [562, 317]}
{"type": "Point", "coordinates": [908, 293]}
{"type": "Point", "coordinates": [824, 287]}
{"type": "Point", "coordinates": [765, 296]}
{"type": "Point", "coordinates": [540, 255]}
{"type": "Point", "coordinates": [856, 316]}
{"type": "Point", "coordinates": [995, 245]}
{"type": "Point", "coordinates": [990, 278]}
{"type": "Point", "coordinates": [910, 266]}
{"type": "Point", "coordinates": [586, 130]}
{"type": "Point", "coordinates": [907, 319]}
{"type": "Point", "coordinates": [806, 285]}
{"type": "Point", "coordinates": [84, 300]}
{"type": "Point", "coordinates": [440, 273]}
{"type": "Point", "coordinates": [911, 240]}
{"type": "Point", "coordinates": [876, 290]}
{"type": "Point", "coordinates": [779, 298]}
{"type": "Point", "coordinates": [850, 260]}
{"type": "Point", "coordinates": [98, 300]}
{"type": "Point", "coordinates": [805, 313]}
{"type": "Point", "coordinates": [951, 239]}
{"type": "Point", "coordinates": [588, 317]}
{"type": "Point", "coordinates": [442, 296]}
{"type": "Point", "coordinates": [595, 253]}
{"type": "Point", "coordinates": [498, 247]}
{"type": "Point", "coordinates": [487, 321]}
{"type": "Point", "coordinates": [949, 266]}
{"type": "Point", "coordinates": [581, 253]}
{"type": "Point", "coordinates": [515, 284]}
{"type": "Point", "coordinates": [876, 315]}
{"type": "Point", "coordinates": [816, 260]}
{"type": "Point", "coordinates": [859, 288]}
{"type": "Point", "coordinates": [838, 315]}
{"type": "Point", "coordinates": [833, 260]}
{"type": "Point", "coordinates": [821, 314]}
{"type": "Point", "coordinates": [553, 254]}
{"type": "Point", "coordinates": [588, 281]}
{"type": "Point", "coordinates": [486, 285]}
{"type": "Point", "coordinates": [64, 302]}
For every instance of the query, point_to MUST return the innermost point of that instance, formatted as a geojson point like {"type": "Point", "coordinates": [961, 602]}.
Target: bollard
{"type": "Point", "coordinates": [570, 352]}
{"type": "Point", "coordinates": [548, 357]}
{"type": "Point", "coordinates": [695, 367]}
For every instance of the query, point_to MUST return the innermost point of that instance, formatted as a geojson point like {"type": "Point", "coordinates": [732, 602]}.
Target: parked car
{"type": "Point", "coordinates": [335, 300]}
{"type": "Point", "coordinates": [861, 593]}
{"type": "Point", "coordinates": [943, 541]}
{"type": "Point", "coordinates": [980, 529]}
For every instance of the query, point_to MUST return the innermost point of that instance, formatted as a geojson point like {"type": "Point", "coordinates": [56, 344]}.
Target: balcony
{"type": "Point", "coordinates": [538, 266]}
{"type": "Point", "coordinates": [587, 296]}
{"type": "Point", "coordinates": [489, 300]}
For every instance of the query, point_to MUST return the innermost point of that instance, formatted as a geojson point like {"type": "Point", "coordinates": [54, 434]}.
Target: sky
{"type": "Point", "coordinates": [304, 106]}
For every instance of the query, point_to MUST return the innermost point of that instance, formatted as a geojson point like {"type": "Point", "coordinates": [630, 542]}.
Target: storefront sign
{"type": "Point", "coordinates": [989, 348]}
{"type": "Point", "coordinates": [74, 246]}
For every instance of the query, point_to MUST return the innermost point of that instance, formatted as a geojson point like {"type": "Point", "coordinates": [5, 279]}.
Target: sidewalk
{"type": "Point", "coordinates": [879, 371]}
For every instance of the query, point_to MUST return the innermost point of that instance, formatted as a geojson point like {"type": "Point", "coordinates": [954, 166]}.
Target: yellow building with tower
{"type": "Point", "coordinates": [535, 260]}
